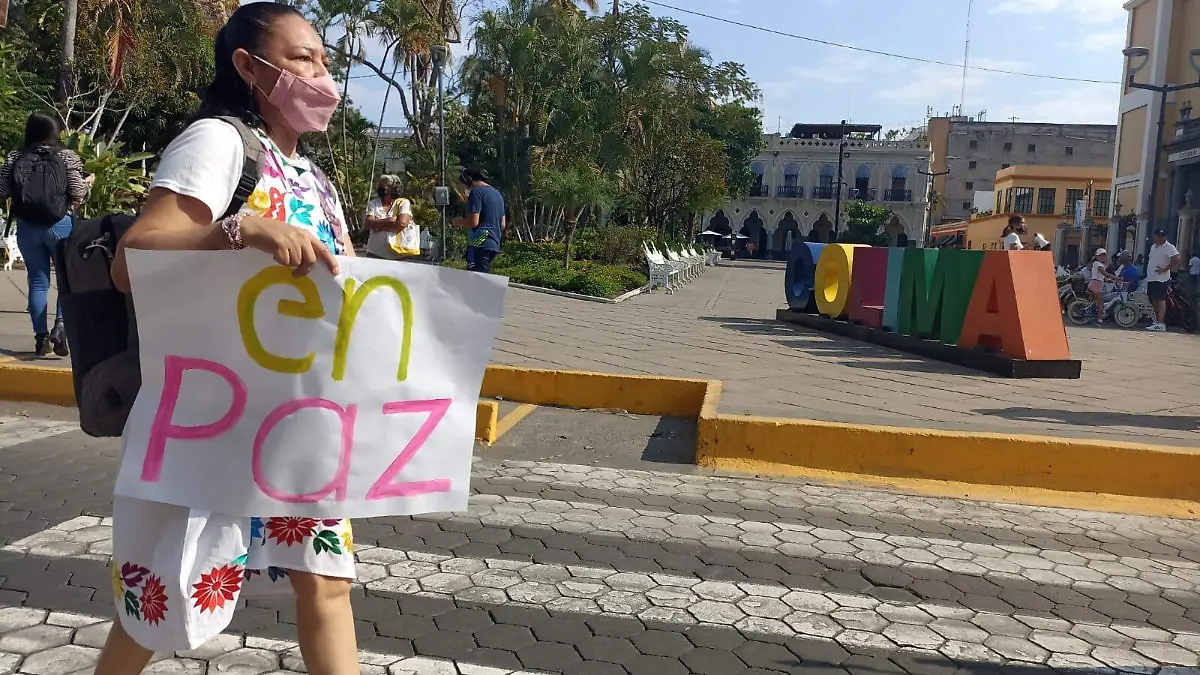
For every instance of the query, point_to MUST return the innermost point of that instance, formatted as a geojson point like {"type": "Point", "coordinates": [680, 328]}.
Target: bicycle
{"type": "Point", "coordinates": [1081, 312]}
{"type": "Point", "coordinates": [1180, 311]}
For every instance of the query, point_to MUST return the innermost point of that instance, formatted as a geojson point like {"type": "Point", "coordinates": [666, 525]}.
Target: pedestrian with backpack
{"type": "Point", "coordinates": [234, 179]}
{"type": "Point", "coordinates": [46, 183]}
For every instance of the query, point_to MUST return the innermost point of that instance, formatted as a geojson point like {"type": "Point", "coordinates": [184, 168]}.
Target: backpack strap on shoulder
{"type": "Point", "coordinates": [252, 164]}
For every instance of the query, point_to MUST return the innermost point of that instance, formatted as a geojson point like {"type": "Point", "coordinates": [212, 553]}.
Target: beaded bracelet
{"type": "Point", "coordinates": [233, 230]}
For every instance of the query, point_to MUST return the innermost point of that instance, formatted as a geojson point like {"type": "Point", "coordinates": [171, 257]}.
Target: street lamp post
{"type": "Point", "coordinates": [439, 54]}
{"type": "Point", "coordinates": [1142, 55]}
{"type": "Point", "coordinates": [837, 200]}
{"type": "Point", "coordinates": [928, 238]}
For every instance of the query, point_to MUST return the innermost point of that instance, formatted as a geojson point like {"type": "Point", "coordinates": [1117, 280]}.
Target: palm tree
{"type": "Point", "coordinates": [572, 190]}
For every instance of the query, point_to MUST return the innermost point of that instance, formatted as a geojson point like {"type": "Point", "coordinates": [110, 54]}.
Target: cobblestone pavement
{"type": "Point", "coordinates": [586, 570]}
{"type": "Point", "coordinates": [722, 326]}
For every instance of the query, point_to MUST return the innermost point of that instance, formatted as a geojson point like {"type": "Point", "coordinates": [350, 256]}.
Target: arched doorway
{"type": "Point", "coordinates": [894, 229]}
{"type": "Point", "coordinates": [822, 230]}
{"type": "Point", "coordinates": [719, 223]}
{"type": "Point", "coordinates": [755, 232]}
{"type": "Point", "coordinates": [785, 237]}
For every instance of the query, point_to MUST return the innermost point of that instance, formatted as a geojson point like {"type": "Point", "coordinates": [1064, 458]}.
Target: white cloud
{"type": "Point", "coordinates": [1111, 41]}
{"type": "Point", "coordinates": [842, 66]}
{"type": "Point", "coordinates": [1083, 11]}
{"type": "Point", "coordinates": [925, 83]}
{"type": "Point", "coordinates": [1079, 104]}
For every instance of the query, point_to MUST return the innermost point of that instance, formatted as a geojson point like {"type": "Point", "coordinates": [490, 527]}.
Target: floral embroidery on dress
{"type": "Point", "coordinates": [300, 212]}
{"type": "Point", "coordinates": [154, 600]}
{"type": "Point", "coordinates": [151, 604]}
{"type": "Point", "coordinates": [219, 586]}
{"type": "Point", "coordinates": [290, 531]}
{"type": "Point", "coordinates": [276, 211]}
{"type": "Point", "coordinates": [259, 202]}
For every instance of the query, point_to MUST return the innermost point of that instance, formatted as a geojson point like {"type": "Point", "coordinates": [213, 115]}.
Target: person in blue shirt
{"type": "Point", "coordinates": [485, 220]}
{"type": "Point", "coordinates": [1129, 272]}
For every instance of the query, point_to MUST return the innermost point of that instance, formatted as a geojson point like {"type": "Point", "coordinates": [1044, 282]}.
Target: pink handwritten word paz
{"type": "Point", "coordinates": [386, 486]}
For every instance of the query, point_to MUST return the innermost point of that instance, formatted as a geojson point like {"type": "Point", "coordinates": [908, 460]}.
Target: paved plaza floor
{"type": "Point", "coordinates": [1136, 386]}
{"type": "Point", "coordinates": [646, 569]}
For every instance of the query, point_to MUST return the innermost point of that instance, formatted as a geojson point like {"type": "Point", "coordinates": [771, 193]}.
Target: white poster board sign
{"type": "Point", "coordinates": [264, 394]}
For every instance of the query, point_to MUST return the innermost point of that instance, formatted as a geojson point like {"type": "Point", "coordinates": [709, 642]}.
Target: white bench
{"type": "Point", "coordinates": [663, 274]}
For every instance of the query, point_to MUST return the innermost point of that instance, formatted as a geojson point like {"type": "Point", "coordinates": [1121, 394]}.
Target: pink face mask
{"type": "Point", "coordinates": [306, 103]}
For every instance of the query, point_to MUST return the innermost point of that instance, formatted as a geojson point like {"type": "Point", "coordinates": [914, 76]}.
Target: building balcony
{"type": "Point", "coordinates": [824, 192]}
{"type": "Point", "coordinates": [760, 190]}
{"type": "Point", "coordinates": [868, 195]}
{"type": "Point", "coordinates": [897, 195]}
{"type": "Point", "coordinates": [790, 192]}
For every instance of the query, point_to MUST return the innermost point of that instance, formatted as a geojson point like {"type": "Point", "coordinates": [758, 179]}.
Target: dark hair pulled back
{"type": "Point", "coordinates": [247, 28]}
{"type": "Point", "coordinates": [43, 129]}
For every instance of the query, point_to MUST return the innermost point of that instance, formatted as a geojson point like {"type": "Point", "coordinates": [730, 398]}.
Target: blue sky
{"type": "Point", "coordinates": [807, 82]}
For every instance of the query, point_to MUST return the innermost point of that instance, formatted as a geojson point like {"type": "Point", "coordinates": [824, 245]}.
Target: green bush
{"type": "Point", "coordinates": [540, 264]}
{"type": "Point", "coordinates": [614, 245]}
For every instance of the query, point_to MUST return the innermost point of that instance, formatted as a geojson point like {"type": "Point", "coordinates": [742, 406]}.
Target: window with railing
{"type": "Point", "coordinates": [1046, 201]}
{"type": "Point", "coordinates": [972, 164]}
{"type": "Point", "coordinates": [1073, 196]}
{"type": "Point", "coordinates": [1100, 203]}
{"type": "Point", "coordinates": [1008, 199]}
{"type": "Point", "coordinates": [1023, 200]}
{"type": "Point", "coordinates": [827, 174]}
{"type": "Point", "coordinates": [790, 191]}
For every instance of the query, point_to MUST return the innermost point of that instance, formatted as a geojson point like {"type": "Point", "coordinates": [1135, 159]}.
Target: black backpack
{"type": "Point", "coordinates": [39, 186]}
{"type": "Point", "coordinates": [100, 322]}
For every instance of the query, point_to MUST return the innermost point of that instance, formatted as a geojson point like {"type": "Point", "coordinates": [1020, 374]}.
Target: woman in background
{"type": "Point", "coordinates": [46, 183]}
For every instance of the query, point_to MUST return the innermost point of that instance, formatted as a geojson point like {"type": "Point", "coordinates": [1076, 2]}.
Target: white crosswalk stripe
{"type": "Point", "coordinates": [15, 430]}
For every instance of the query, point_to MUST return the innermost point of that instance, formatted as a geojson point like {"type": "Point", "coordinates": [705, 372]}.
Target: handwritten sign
{"type": "Point", "coordinates": [319, 396]}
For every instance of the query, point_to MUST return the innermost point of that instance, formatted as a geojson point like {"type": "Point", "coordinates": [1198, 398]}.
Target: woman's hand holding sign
{"type": "Point", "coordinates": [291, 246]}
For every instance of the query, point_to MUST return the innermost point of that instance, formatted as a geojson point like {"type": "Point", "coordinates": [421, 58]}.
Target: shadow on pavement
{"type": "Point", "coordinates": [1099, 418]}
{"type": "Point", "coordinates": [610, 438]}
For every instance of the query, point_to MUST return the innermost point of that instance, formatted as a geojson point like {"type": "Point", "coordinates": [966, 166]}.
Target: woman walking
{"type": "Point", "coordinates": [46, 183]}
{"type": "Point", "coordinates": [178, 573]}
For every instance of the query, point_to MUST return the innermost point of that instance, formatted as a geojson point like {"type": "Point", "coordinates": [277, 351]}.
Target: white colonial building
{"type": "Point", "coordinates": [795, 189]}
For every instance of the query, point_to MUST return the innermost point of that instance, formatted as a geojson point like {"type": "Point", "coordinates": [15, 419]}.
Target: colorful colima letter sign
{"type": "Point", "coordinates": [313, 396]}
{"type": "Point", "coordinates": [1006, 301]}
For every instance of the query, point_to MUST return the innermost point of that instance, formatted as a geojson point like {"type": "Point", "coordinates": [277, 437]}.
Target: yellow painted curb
{"type": "Point", "coordinates": [36, 384]}
{"type": "Point", "coordinates": [486, 413]}
{"type": "Point", "coordinates": [513, 418]}
{"type": "Point", "coordinates": [637, 394]}
{"type": "Point", "coordinates": [799, 448]}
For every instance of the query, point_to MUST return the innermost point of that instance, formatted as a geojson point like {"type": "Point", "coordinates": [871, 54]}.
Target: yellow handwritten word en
{"type": "Point", "coordinates": [352, 301]}
{"type": "Point", "coordinates": [309, 308]}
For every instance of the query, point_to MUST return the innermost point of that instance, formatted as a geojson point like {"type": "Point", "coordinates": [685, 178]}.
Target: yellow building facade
{"type": "Point", "coordinates": [1169, 33]}
{"type": "Point", "coordinates": [1048, 198]}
